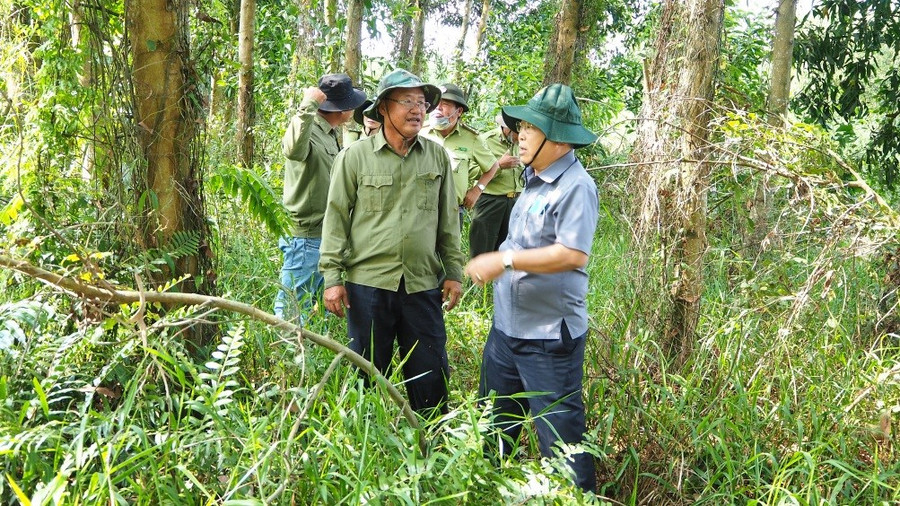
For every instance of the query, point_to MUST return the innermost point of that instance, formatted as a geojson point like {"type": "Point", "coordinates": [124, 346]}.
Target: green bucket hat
{"type": "Point", "coordinates": [451, 92]}
{"type": "Point", "coordinates": [554, 112]}
{"type": "Point", "coordinates": [358, 112]}
{"type": "Point", "coordinates": [402, 79]}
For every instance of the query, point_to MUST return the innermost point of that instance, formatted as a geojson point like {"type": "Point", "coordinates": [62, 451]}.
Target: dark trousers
{"type": "Point", "coordinates": [377, 317]}
{"type": "Point", "coordinates": [554, 368]}
{"type": "Point", "coordinates": [490, 223]}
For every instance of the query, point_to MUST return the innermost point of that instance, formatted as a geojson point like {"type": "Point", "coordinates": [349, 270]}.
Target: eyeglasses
{"type": "Point", "coordinates": [524, 126]}
{"type": "Point", "coordinates": [409, 104]}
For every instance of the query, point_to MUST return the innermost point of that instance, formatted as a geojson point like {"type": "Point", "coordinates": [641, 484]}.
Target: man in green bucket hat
{"type": "Point", "coordinates": [469, 156]}
{"type": "Point", "coordinates": [390, 233]}
{"type": "Point", "coordinates": [536, 342]}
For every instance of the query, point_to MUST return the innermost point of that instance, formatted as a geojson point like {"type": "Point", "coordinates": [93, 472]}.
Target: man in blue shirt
{"type": "Point", "coordinates": [536, 343]}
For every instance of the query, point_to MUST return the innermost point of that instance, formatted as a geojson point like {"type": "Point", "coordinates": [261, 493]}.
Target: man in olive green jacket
{"type": "Point", "coordinates": [490, 217]}
{"type": "Point", "coordinates": [470, 157]}
{"type": "Point", "coordinates": [390, 232]}
{"type": "Point", "coordinates": [310, 145]}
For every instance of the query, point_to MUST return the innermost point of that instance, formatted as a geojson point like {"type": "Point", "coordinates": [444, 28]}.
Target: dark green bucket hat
{"type": "Point", "coordinates": [554, 112]}
{"type": "Point", "coordinates": [358, 112]}
{"type": "Point", "coordinates": [402, 79]}
{"type": "Point", "coordinates": [451, 92]}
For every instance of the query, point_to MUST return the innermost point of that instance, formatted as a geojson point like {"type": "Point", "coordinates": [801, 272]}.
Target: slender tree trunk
{"type": "Point", "coordinates": [782, 61]}
{"type": "Point", "coordinates": [673, 142]}
{"type": "Point", "coordinates": [403, 43]}
{"type": "Point", "coordinates": [461, 45]}
{"type": "Point", "coordinates": [352, 57]}
{"type": "Point", "coordinates": [482, 25]}
{"type": "Point", "coordinates": [85, 80]}
{"type": "Point", "coordinates": [334, 54]}
{"type": "Point", "coordinates": [418, 46]}
{"type": "Point", "coordinates": [305, 60]}
{"type": "Point", "coordinates": [246, 112]}
{"type": "Point", "coordinates": [171, 200]}
{"type": "Point", "coordinates": [560, 55]}
{"type": "Point", "coordinates": [776, 106]}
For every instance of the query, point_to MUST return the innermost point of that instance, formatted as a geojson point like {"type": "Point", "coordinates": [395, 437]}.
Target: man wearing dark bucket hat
{"type": "Point", "coordinates": [363, 126]}
{"type": "Point", "coordinates": [536, 343]}
{"type": "Point", "coordinates": [470, 157]}
{"type": "Point", "coordinates": [391, 231]}
{"type": "Point", "coordinates": [310, 145]}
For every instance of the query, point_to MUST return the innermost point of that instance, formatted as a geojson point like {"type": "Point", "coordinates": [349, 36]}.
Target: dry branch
{"type": "Point", "coordinates": [105, 295]}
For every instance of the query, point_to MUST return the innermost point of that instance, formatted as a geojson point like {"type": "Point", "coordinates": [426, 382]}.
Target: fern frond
{"type": "Point", "coordinates": [225, 364]}
{"type": "Point", "coordinates": [17, 318]}
{"type": "Point", "coordinates": [262, 202]}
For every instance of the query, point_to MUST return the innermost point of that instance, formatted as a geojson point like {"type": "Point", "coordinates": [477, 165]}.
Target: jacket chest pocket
{"type": "Point", "coordinates": [460, 161]}
{"type": "Point", "coordinates": [374, 191]}
{"type": "Point", "coordinates": [427, 190]}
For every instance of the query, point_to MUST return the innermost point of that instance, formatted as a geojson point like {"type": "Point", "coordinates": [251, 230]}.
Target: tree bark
{"type": "Point", "coordinates": [782, 61]}
{"type": "Point", "coordinates": [352, 57]}
{"type": "Point", "coordinates": [776, 108]}
{"type": "Point", "coordinates": [246, 110]}
{"type": "Point", "coordinates": [418, 45]}
{"type": "Point", "coordinates": [464, 29]}
{"type": "Point", "coordinates": [169, 196]}
{"type": "Point", "coordinates": [482, 25]}
{"type": "Point", "coordinates": [403, 43]}
{"type": "Point", "coordinates": [673, 143]}
{"type": "Point", "coordinates": [560, 55]}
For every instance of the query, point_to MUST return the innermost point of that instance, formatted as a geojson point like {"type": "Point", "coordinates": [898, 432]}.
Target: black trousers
{"type": "Point", "coordinates": [377, 317]}
{"type": "Point", "coordinates": [490, 223]}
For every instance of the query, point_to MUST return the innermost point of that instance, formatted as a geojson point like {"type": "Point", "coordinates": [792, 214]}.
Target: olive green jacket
{"type": "Point", "coordinates": [310, 145]}
{"type": "Point", "coordinates": [505, 180]}
{"type": "Point", "coordinates": [390, 217]}
{"type": "Point", "coordinates": [470, 157]}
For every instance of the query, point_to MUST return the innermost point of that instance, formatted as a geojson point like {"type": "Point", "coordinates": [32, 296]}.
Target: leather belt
{"type": "Point", "coordinates": [512, 195]}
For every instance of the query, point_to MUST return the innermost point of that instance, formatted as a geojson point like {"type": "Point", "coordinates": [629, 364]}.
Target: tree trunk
{"type": "Point", "coordinates": [418, 46]}
{"type": "Point", "coordinates": [304, 62]}
{"type": "Point", "coordinates": [169, 197]}
{"type": "Point", "coordinates": [464, 29]}
{"type": "Point", "coordinates": [334, 54]}
{"type": "Point", "coordinates": [561, 49]}
{"type": "Point", "coordinates": [673, 143]}
{"type": "Point", "coordinates": [352, 58]}
{"type": "Point", "coordinates": [782, 61]}
{"type": "Point", "coordinates": [776, 107]}
{"type": "Point", "coordinates": [81, 45]}
{"type": "Point", "coordinates": [246, 112]}
{"type": "Point", "coordinates": [482, 25]}
{"type": "Point", "coordinates": [403, 43]}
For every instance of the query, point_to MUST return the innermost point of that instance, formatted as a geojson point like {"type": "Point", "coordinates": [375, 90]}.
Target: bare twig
{"type": "Point", "coordinates": [191, 299]}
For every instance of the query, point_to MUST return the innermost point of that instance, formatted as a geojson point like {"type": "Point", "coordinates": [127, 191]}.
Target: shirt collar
{"type": "Point", "coordinates": [380, 142]}
{"type": "Point", "coordinates": [324, 123]}
{"type": "Point", "coordinates": [554, 170]}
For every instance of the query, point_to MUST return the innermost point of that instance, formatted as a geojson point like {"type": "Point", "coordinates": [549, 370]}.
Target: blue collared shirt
{"type": "Point", "coordinates": [559, 205]}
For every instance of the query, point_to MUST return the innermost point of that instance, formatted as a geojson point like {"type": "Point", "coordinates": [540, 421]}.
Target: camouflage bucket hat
{"type": "Point", "coordinates": [554, 112]}
{"type": "Point", "coordinates": [402, 79]}
{"type": "Point", "coordinates": [452, 93]}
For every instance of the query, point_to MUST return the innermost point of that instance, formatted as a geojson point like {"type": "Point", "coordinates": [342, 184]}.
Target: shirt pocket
{"type": "Point", "coordinates": [373, 191]}
{"type": "Point", "coordinates": [427, 190]}
{"type": "Point", "coordinates": [461, 161]}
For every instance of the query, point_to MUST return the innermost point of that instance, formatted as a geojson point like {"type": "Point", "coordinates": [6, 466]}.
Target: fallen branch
{"type": "Point", "coordinates": [192, 299]}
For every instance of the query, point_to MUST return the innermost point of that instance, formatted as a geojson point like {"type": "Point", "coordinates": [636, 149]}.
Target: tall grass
{"type": "Point", "coordinates": [789, 398]}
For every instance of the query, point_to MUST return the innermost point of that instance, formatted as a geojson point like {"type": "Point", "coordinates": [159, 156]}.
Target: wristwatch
{"type": "Point", "coordinates": [507, 260]}
{"type": "Point", "coordinates": [480, 186]}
